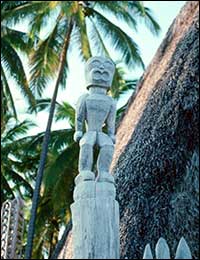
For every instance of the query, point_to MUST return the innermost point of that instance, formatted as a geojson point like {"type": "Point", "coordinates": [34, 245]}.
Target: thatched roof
{"type": "Point", "coordinates": [152, 75]}
{"type": "Point", "coordinates": [156, 160]}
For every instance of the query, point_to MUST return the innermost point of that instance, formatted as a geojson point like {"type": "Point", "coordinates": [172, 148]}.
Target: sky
{"type": "Point", "coordinates": [164, 12]}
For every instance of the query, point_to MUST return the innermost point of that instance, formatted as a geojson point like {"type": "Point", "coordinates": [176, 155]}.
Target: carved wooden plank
{"type": "Point", "coordinates": [147, 252]}
{"type": "Point", "coordinates": [12, 225]}
{"type": "Point", "coordinates": [162, 249]}
{"type": "Point", "coordinates": [5, 227]}
{"type": "Point", "coordinates": [183, 250]}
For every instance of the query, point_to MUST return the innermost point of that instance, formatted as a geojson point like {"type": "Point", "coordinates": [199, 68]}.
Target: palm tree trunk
{"type": "Point", "coordinates": [51, 243]}
{"type": "Point", "coordinates": [53, 240]}
{"type": "Point", "coordinates": [62, 241]}
{"type": "Point", "coordinates": [36, 194]}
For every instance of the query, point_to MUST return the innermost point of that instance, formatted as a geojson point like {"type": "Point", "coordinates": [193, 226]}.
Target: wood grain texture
{"type": "Point", "coordinates": [95, 216]}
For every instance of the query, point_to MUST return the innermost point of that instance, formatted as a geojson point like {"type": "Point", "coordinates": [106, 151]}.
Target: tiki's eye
{"type": "Point", "coordinates": [108, 65]}
{"type": "Point", "coordinates": [95, 63]}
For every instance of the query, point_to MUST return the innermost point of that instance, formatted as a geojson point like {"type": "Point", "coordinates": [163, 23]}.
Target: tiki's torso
{"type": "Point", "coordinates": [97, 109]}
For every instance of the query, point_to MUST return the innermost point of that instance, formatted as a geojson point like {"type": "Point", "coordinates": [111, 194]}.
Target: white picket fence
{"type": "Point", "coordinates": [162, 250]}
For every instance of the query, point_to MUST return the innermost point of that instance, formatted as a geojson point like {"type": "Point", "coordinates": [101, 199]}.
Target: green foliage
{"type": "Point", "coordinates": [12, 43]}
{"type": "Point", "coordinates": [66, 111]}
{"type": "Point", "coordinates": [57, 185]}
{"type": "Point", "coordinates": [15, 166]}
{"type": "Point", "coordinates": [45, 56]}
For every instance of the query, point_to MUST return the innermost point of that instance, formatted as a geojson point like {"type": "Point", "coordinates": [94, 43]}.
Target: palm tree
{"type": "Point", "coordinates": [60, 171]}
{"type": "Point", "coordinates": [50, 57]}
{"type": "Point", "coordinates": [12, 42]}
{"type": "Point", "coordinates": [20, 157]}
{"type": "Point", "coordinates": [16, 173]}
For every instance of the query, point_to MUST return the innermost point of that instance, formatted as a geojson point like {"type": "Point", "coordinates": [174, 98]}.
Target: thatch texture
{"type": "Point", "coordinates": [153, 74]}
{"type": "Point", "coordinates": [156, 161]}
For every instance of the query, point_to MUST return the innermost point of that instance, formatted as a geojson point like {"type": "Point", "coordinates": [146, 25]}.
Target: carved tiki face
{"type": "Point", "coordinates": [99, 71]}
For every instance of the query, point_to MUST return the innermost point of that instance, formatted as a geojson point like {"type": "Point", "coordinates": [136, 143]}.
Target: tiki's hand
{"type": "Point", "coordinates": [113, 138]}
{"type": "Point", "coordinates": [78, 135]}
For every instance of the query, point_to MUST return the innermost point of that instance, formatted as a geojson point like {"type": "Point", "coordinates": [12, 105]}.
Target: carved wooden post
{"type": "Point", "coordinates": [95, 212]}
{"type": "Point", "coordinates": [12, 227]}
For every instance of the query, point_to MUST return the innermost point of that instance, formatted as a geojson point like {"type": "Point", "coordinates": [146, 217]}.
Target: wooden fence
{"type": "Point", "coordinates": [12, 227]}
{"type": "Point", "coordinates": [162, 250]}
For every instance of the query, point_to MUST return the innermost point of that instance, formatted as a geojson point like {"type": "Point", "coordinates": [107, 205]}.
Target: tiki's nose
{"type": "Point", "coordinates": [102, 67]}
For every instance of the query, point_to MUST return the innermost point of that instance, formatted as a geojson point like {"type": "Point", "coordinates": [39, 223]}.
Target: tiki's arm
{"type": "Point", "coordinates": [80, 117]}
{"type": "Point", "coordinates": [111, 121]}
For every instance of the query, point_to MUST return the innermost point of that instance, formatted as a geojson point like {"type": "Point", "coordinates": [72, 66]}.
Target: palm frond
{"type": "Point", "coordinates": [19, 181]}
{"type": "Point", "coordinates": [62, 139]}
{"type": "Point", "coordinates": [58, 166]}
{"type": "Point", "coordinates": [16, 131]}
{"type": "Point", "coordinates": [41, 20]}
{"type": "Point", "coordinates": [138, 9]}
{"type": "Point", "coordinates": [65, 111]}
{"type": "Point", "coordinates": [82, 36]}
{"type": "Point", "coordinates": [26, 164]}
{"type": "Point", "coordinates": [63, 189]}
{"type": "Point", "coordinates": [67, 7]}
{"type": "Point", "coordinates": [39, 240]}
{"type": "Point", "coordinates": [44, 64]}
{"type": "Point", "coordinates": [119, 10]}
{"type": "Point", "coordinates": [129, 85]}
{"type": "Point", "coordinates": [14, 13]}
{"type": "Point", "coordinates": [151, 22]}
{"type": "Point", "coordinates": [117, 82]}
{"type": "Point", "coordinates": [13, 64]}
{"type": "Point", "coordinates": [18, 40]}
{"type": "Point", "coordinates": [44, 61]}
{"type": "Point", "coordinates": [58, 140]}
{"type": "Point", "coordinates": [41, 105]}
{"type": "Point", "coordinates": [122, 43]}
{"type": "Point", "coordinates": [9, 5]}
{"type": "Point", "coordinates": [7, 96]}
{"type": "Point", "coordinates": [97, 40]}
{"type": "Point", "coordinates": [6, 190]}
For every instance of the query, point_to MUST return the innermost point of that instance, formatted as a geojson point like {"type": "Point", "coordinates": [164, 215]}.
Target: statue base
{"type": "Point", "coordinates": [95, 217]}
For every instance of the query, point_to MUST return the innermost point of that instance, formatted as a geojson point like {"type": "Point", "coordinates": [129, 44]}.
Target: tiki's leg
{"type": "Point", "coordinates": [103, 163]}
{"type": "Point", "coordinates": [86, 158]}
